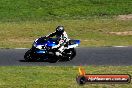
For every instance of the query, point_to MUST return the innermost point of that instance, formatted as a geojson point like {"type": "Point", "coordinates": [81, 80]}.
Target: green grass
{"type": "Point", "coordinates": [41, 10]}
{"type": "Point", "coordinates": [56, 77]}
{"type": "Point", "coordinates": [92, 32]}
{"type": "Point", "coordinates": [22, 21]}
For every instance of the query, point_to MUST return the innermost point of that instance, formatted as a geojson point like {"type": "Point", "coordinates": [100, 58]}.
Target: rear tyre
{"type": "Point", "coordinates": [70, 54]}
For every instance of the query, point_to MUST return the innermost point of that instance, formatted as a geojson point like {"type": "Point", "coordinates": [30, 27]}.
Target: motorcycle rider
{"type": "Point", "coordinates": [62, 39]}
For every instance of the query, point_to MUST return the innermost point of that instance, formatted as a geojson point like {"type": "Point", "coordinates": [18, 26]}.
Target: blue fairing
{"type": "Point", "coordinates": [77, 41]}
{"type": "Point", "coordinates": [50, 42]}
{"type": "Point", "coordinates": [72, 42]}
{"type": "Point", "coordinates": [41, 51]}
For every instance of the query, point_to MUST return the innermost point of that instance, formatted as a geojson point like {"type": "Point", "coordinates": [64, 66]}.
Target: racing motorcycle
{"type": "Point", "coordinates": [44, 49]}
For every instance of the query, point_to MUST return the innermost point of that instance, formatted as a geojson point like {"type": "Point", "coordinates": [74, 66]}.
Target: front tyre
{"type": "Point", "coordinates": [54, 59]}
{"type": "Point", "coordinates": [28, 56]}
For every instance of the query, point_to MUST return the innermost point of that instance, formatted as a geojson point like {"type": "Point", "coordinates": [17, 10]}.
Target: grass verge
{"type": "Point", "coordinates": [41, 10]}
{"type": "Point", "coordinates": [57, 77]}
{"type": "Point", "coordinates": [92, 32]}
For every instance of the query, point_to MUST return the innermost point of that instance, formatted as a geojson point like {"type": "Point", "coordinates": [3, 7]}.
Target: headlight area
{"type": "Point", "coordinates": [34, 44]}
{"type": "Point", "coordinates": [39, 46]}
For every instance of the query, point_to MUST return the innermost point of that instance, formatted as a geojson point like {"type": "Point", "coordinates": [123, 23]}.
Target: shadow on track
{"type": "Point", "coordinates": [41, 61]}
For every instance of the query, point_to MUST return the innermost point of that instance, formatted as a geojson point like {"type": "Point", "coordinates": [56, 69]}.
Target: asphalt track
{"type": "Point", "coordinates": [85, 56]}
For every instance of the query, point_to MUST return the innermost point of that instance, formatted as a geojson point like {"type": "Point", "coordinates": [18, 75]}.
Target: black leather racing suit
{"type": "Point", "coordinates": [62, 40]}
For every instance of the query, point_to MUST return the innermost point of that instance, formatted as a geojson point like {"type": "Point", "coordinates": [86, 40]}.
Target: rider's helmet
{"type": "Point", "coordinates": [60, 30]}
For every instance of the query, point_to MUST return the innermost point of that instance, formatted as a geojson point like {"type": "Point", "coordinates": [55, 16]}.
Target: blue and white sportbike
{"type": "Point", "coordinates": [44, 49]}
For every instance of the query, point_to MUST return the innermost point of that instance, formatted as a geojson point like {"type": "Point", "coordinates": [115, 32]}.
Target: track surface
{"type": "Point", "coordinates": [85, 56]}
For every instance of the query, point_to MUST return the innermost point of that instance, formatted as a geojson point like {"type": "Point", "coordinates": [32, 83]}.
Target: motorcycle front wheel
{"type": "Point", "coordinates": [28, 56]}
{"type": "Point", "coordinates": [53, 59]}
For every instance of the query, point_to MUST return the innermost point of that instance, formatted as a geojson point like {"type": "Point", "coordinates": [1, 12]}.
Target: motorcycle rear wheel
{"type": "Point", "coordinates": [70, 54]}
